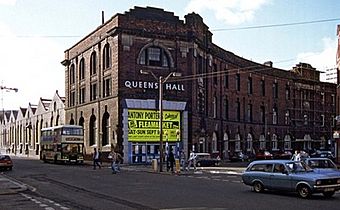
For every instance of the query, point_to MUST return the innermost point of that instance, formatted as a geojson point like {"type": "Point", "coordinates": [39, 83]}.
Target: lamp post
{"type": "Point", "coordinates": [161, 81]}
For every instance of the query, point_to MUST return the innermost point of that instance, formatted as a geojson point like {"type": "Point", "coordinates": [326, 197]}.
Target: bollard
{"type": "Point", "coordinates": [178, 166]}
{"type": "Point", "coordinates": [154, 165]}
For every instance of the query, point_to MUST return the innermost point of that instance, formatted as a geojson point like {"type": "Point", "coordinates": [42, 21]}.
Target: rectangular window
{"type": "Point", "coordinates": [107, 84]}
{"type": "Point", "coordinates": [226, 78]}
{"type": "Point", "coordinates": [214, 107]}
{"type": "Point", "coordinates": [238, 114]}
{"type": "Point", "coordinates": [215, 76]}
{"type": "Point", "coordinates": [250, 113]}
{"type": "Point", "coordinates": [226, 108]}
{"type": "Point", "coordinates": [322, 98]}
{"type": "Point", "coordinates": [72, 98]}
{"type": "Point", "coordinates": [93, 92]}
{"type": "Point", "coordinates": [250, 85]}
{"type": "Point", "coordinates": [82, 95]}
{"type": "Point", "coordinates": [322, 120]}
{"type": "Point", "coordinates": [275, 90]}
{"type": "Point", "coordinates": [263, 114]}
{"type": "Point", "coordinates": [263, 88]}
{"type": "Point", "coordinates": [238, 82]}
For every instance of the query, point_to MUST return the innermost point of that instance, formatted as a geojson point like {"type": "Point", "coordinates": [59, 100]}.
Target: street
{"type": "Point", "coordinates": [51, 186]}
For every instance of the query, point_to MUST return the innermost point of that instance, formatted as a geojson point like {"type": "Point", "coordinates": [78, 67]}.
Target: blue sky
{"type": "Point", "coordinates": [35, 33]}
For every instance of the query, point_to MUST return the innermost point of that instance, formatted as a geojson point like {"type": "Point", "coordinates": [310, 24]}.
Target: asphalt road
{"type": "Point", "coordinates": [52, 186]}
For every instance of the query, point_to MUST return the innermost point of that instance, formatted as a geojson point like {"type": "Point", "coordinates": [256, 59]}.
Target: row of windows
{"type": "Point", "coordinates": [107, 91]}
{"type": "Point", "coordinates": [263, 113]}
{"type": "Point", "coordinates": [107, 62]}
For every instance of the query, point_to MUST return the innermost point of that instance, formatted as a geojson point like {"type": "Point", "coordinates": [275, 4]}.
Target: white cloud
{"type": "Point", "coordinates": [321, 60]}
{"type": "Point", "coordinates": [229, 11]}
{"type": "Point", "coordinates": [8, 2]}
{"type": "Point", "coordinates": [31, 64]}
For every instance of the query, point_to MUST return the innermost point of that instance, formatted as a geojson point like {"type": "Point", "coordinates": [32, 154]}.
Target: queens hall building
{"type": "Point", "coordinates": [212, 100]}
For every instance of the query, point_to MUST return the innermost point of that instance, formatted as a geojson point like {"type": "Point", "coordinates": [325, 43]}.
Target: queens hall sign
{"type": "Point", "coordinates": [152, 85]}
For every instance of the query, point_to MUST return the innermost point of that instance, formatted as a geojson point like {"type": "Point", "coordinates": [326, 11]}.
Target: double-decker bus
{"type": "Point", "coordinates": [64, 143]}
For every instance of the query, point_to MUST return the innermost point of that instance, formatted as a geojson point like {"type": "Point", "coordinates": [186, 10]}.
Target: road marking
{"type": "Point", "coordinates": [42, 204]}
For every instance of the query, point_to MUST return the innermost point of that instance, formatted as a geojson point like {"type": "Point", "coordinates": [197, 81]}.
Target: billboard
{"type": "Point", "coordinates": [144, 125]}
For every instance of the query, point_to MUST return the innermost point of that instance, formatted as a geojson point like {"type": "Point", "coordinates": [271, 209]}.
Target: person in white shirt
{"type": "Point", "coordinates": [192, 160]}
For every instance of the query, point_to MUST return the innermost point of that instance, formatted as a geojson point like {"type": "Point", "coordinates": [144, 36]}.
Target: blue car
{"type": "Point", "coordinates": [292, 176]}
{"type": "Point", "coordinates": [322, 165]}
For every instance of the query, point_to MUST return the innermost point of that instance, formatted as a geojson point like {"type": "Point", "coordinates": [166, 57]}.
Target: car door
{"type": "Point", "coordinates": [279, 178]}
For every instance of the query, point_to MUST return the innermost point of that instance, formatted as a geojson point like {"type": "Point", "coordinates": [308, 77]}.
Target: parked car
{"type": "Point", "coordinates": [322, 165]}
{"type": "Point", "coordinates": [205, 159]}
{"type": "Point", "coordinates": [283, 155]}
{"type": "Point", "coordinates": [238, 156]}
{"type": "Point", "coordinates": [6, 162]}
{"type": "Point", "coordinates": [323, 154]}
{"type": "Point", "coordinates": [287, 175]}
{"type": "Point", "coordinates": [263, 155]}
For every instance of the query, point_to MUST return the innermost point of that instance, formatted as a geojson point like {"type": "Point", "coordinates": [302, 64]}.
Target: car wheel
{"type": "Point", "coordinates": [328, 194]}
{"type": "Point", "coordinates": [304, 191]}
{"type": "Point", "coordinates": [258, 187]}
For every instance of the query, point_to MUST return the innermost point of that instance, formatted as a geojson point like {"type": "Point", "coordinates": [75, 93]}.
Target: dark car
{"type": "Point", "coordinates": [323, 154]}
{"type": "Point", "coordinates": [6, 162]}
{"type": "Point", "coordinates": [263, 155]}
{"type": "Point", "coordinates": [291, 176]}
{"type": "Point", "coordinates": [283, 155]}
{"type": "Point", "coordinates": [238, 156]}
{"type": "Point", "coordinates": [205, 159]}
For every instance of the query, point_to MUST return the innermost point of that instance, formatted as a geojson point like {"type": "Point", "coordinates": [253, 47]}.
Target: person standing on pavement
{"type": "Point", "coordinates": [171, 159]}
{"type": "Point", "coordinates": [113, 157]}
{"type": "Point", "coordinates": [96, 159]}
{"type": "Point", "coordinates": [192, 160]}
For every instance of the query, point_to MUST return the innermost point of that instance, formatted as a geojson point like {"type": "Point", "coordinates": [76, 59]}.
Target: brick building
{"type": "Point", "coordinates": [221, 104]}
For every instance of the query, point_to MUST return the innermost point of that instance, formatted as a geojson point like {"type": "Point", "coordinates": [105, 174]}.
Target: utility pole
{"type": "Point", "coordinates": [7, 89]}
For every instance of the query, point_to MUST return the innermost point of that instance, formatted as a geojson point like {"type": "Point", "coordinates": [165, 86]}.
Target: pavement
{"type": "Point", "coordinates": [11, 186]}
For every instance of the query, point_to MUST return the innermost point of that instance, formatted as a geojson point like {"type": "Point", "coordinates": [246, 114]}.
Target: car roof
{"type": "Point", "coordinates": [270, 161]}
{"type": "Point", "coordinates": [317, 158]}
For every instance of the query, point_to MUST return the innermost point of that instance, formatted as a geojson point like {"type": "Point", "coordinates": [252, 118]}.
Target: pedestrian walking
{"type": "Point", "coordinates": [171, 159]}
{"type": "Point", "coordinates": [296, 156]}
{"type": "Point", "coordinates": [113, 157]}
{"type": "Point", "coordinates": [183, 159]}
{"type": "Point", "coordinates": [192, 160]}
{"type": "Point", "coordinates": [96, 159]}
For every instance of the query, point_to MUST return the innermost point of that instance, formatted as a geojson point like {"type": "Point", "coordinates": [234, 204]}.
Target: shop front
{"type": "Point", "coordinates": [141, 133]}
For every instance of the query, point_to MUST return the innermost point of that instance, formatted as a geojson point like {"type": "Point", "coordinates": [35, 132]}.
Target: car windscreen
{"type": "Point", "coordinates": [296, 167]}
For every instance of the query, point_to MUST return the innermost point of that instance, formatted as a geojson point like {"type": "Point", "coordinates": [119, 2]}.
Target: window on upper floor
{"type": "Point", "coordinates": [72, 74]}
{"type": "Point", "coordinates": [275, 90]}
{"type": "Point", "coordinates": [275, 117]}
{"type": "Point", "coordinates": [287, 93]}
{"type": "Point", "coordinates": [93, 63]}
{"type": "Point", "coordinates": [322, 98]}
{"type": "Point", "coordinates": [238, 110]}
{"type": "Point", "coordinates": [107, 56]}
{"type": "Point", "coordinates": [263, 87]}
{"type": "Point", "coordinates": [214, 107]}
{"type": "Point", "coordinates": [107, 89]}
{"type": "Point", "coordinates": [82, 95]}
{"type": "Point", "coordinates": [215, 75]}
{"type": "Point", "coordinates": [287, 117]}
{"type": "Point", "coordinates": [238, 82]}
{"type": "Point", "coordinates": [250, 85]}
{"type": "Point", "coordinates": [93, 92]}
{"type": "Point", "coordinates": [333, 99]}
{"type": "Point", "coordinates": [226, 108]}
{"type": "Point", "coordinates": [72, 99]}
{"type": "Point", "coordinates": [226, 79]}
{"type": "Point", "coordinates": [322, 120]}
{"type": "Point", "coordinates": [263, 114]}
{"type": "Point", "coordinates": [82, 69]}
{"type": "Point", "coordinates": [154, 56]}
{"type": "Point", "coordinates": [250, 112]}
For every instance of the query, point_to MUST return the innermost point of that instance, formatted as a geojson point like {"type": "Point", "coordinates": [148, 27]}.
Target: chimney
{"type": "Point", "coordinates": [102, 17]}
{"type": "Point", "coordinates": [268, 63]}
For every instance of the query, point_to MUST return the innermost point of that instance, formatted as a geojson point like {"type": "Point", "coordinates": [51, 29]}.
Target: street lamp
{"type": "Point", "coordinates": [161, 81]}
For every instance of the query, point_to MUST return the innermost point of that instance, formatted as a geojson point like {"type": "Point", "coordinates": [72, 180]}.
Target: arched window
{"type": "Point", "coordinates": [93, 63]}
{"type": "Point", "coordinates": [154, 56]}
{"type": "Point", "coordinates": [92, 130]}
{"type": "Point", "coordinates": [105, 128]}
{"type": "Point", "coordinates": [82, 69]}
{"type": "Point", "coordinates": [72, 74]}
{"type": "Point", "coordinates": [81, 121]}
{"type": "Point", "coordinates": [107, 56]}
{"type": "Point", "coordinates": [72, 121]}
